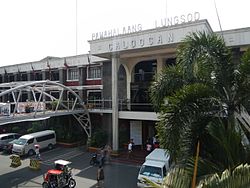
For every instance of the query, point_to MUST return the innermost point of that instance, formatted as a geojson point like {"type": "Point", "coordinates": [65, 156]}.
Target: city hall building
{"type": "Point", "coordinates": [113, 80]}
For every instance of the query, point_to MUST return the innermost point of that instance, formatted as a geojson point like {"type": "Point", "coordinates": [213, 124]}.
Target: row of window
{"type": "Point", "coordinates": [92, 73]}
{"type": "Point", "coordinates": [72, 74]}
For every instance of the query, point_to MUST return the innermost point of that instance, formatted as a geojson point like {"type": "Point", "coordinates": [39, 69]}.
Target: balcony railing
{"type": "Point", "coordinates": [124, 105]}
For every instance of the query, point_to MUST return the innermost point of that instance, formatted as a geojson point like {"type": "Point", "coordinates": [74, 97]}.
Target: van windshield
{"type": "Point", "coordinates": [20, 141]}
{"type": "Point", "coordinates": [151, 171]}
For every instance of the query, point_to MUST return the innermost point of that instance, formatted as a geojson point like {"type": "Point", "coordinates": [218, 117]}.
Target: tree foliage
{"type": "Point", "coordinates": [197, 100]}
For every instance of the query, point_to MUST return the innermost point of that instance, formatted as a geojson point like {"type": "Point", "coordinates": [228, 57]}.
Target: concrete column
{"type": "Point", "coordinates": [160, 64]}
{"type": "Point", "coordinates": [81, 81]}
{"type": "Point", "coordinates": [61, 76]}
{"type": "Point", "coordinates": [16, 77]}
{"type": "Point", "coordinates": [115, 125]}
{"type": "Point", "coordinates": [29, 79]}
{"type": "Point", "coordinates": [129, 89]}
{"type": "Point", "coordinates": [43, 74]}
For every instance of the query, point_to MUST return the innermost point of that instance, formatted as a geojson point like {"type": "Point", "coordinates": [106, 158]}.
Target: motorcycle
{"type": "Point", "coordinates": [94, 161]}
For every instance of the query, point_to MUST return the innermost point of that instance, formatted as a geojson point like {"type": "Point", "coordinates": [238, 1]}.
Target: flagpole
{"type": "Point", "coordinates": [218, 19]}
{"type": "Point", "coordinates": [76, 27]}
{"type": "Point", "coordinates": [166, 9]}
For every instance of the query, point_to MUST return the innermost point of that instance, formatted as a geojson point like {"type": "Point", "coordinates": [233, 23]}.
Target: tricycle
{"type": "Point", "coordinates": [60, 176]}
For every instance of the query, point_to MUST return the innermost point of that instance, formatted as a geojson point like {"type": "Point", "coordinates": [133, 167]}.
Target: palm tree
{"type": "Point", "coordinates": [198, 97]}
{"type": "Point", "coordinates": [180, 178]}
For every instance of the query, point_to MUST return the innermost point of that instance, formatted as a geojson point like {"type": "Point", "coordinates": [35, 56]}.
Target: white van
{"type": "Point", "coordinates": [26, 143]}
{"type": "Point", "coordinates": [154, 168]}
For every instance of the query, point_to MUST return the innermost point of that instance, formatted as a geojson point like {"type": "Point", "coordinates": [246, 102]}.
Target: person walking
{"type": "Point", "coordinates": [108, 152]}
{"type": "Point", "coordinates": [102, 156]}
{"type": "Point", "coordinates": [100, 177]}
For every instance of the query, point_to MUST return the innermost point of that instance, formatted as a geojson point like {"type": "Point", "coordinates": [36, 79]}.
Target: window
{"type": "Point", "coordinates": [94, 95]}
{"type": "Point", "coordinates": [4, 138]}
{"type": "Point", "coordinates": [30, 141]}
{"type": "Point", "coordinates": [151, 171]}
{"type": "Point", "coordinates": [24, 77]}
{"type": "Point", "coordinates": [11, 137]}
{"type": "Point", "coordinates": [55, 75]}
{"type": "Point", "coordinates": [46, 137]}
{"type": "Point", "coordinates": [73, 74]}
{"type": "Point", "coordinates": [94, 72]}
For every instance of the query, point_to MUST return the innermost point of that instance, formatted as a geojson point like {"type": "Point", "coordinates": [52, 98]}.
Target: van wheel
{"type": "Point", "coordinates": [50, 146]}
{"type": "Point", "coordinates": [31, 152]}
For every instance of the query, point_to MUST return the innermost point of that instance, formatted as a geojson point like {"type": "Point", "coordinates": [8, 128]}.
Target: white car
{"type": "Point", "coordinates": [7, 137]}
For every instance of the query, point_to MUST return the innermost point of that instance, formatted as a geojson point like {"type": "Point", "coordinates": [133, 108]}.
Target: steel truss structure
{"type": "Point", "coordinates": [41, 93]}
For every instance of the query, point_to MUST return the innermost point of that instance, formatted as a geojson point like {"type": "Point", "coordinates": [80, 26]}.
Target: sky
{"type": "Point", "coordinates": [34, 29]}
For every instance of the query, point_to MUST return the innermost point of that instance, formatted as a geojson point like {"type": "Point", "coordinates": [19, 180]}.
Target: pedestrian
{"type": "Point", "coordinates": [154, 139]}
{"type": "Point", "coordinates": [130, 148]}
{"type": "Point", "coordinates": [100, 176]}
{"type": "Point", "coordinates": [108, 151]}
{"type": "Point", "coordinates": [149, 147]}
{"type": "Point", "coordinates": [37, 148]}
{"type": "Point", "coordinates": [102, 157]}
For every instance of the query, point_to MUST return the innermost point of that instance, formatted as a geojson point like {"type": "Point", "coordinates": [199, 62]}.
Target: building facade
{"type": "Point", "coordinates": [114, 78]}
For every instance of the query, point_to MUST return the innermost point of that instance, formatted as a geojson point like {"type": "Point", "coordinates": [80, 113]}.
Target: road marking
{"type": "Point", "coordinates": [78, 171]}
{"type": "Point", "coordinates": [65, 156]}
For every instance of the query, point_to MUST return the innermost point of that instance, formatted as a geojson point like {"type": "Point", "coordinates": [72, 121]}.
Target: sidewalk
{"type": "Point", "coordinates": [137, 158]}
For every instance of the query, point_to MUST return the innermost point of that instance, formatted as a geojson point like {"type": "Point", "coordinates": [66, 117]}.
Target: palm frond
{"type": "Point", "coordinates": [239, 178]}
{"type": "Point", "coordinates": [165, 84]}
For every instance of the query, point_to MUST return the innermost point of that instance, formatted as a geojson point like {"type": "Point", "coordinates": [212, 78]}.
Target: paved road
{"type": "Point", "coordinates": [117, 175]}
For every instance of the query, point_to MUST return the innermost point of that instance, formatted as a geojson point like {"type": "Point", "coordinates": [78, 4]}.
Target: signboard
{"type": "Point", "coordinates": [4, 109]}
{"type": "Point", "coordinates": [32, 106]}
{"type": "Point", "coordinates": [149, 38]}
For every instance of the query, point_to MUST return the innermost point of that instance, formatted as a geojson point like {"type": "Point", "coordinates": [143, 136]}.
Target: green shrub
{"type": "Point", "coordinates": [99, 138]}
{"type": "Point", "coordinates": [16, 129]}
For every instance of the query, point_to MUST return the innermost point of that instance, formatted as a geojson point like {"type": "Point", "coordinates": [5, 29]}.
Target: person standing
{"type": "Point", "coordinates": [149, 147]}
{"type": "Point", "coordinates": [100, 176]}
{"type": "Point", "coordinates": [37, 148]}
{"type": "Point", "coordinates": [130, 149]}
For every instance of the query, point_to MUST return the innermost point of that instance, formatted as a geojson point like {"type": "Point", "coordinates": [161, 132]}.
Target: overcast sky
{"type": "Point", "coordinates": [34, 29]}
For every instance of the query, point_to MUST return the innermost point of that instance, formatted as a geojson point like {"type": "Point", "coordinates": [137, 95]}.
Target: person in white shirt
{"type": "Point", "coordinates": [130, 149]}
{"type": "Point", "coordinates": [37, 151]}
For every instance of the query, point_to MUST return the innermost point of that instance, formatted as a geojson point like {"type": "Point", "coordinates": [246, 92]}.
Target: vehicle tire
{"type": "Point", "coordinates": [50, 146]}
{"type": "Point", "coordinates": [31, 152]}
{"type": "Point", "coordinates": [72, 183]}
{"type": "Point", "coordinates": [45, 185]}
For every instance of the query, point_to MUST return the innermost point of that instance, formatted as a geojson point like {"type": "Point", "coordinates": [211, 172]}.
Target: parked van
{"type": "Point", "coordinates": [26, 143]}
{"type": "Point", "coordinates": [154, 168]}
{"type": "Point", "coordinates": [7, 137]}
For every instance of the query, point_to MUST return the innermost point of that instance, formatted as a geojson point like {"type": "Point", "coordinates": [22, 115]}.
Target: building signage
{"type": "Point", "coordinates": [115, 32]}
{"type": "Point", "coordinates": [166, 22]}
{"type": "Point", "coordinates": [140, 42]}
{"type": "Point", "coordinates": [162, 35]}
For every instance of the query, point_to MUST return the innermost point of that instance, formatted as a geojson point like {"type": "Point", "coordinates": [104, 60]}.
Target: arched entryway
{"type": "Point", "coordinates": [142, 75]}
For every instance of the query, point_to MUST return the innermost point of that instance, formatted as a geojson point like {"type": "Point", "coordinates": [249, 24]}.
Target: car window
{"type": "Point", "coordinates": [30, 141]}
{"type": "Point", "coordinates": [21, 141]}
{"type": "Point", "coordinates": [164, 171]}
{"type": "Point", "coordinates": [11, 137]}
{"type": "Point", "coordinates": [17, 136]}
{"type": "Point", "coordinates": [151, 171]}
{"type": "Point", "coordinates": [4, 138]}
